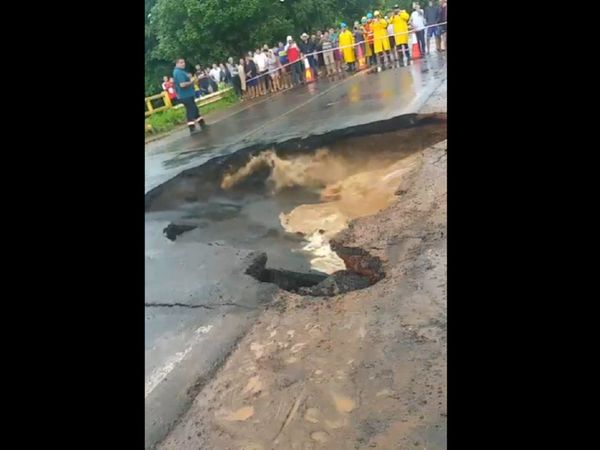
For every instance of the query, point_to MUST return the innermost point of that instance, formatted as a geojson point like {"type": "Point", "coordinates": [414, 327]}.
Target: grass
{"type": "Point", "coordinates": [165, 121]}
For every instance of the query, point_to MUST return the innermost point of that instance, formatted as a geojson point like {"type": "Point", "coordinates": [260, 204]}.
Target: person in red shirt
{"type": "Point", "coordinates": [168, 85]}
{"type": "Point", "coordinates": [293, 54]}
{"type": "Point", "coordinates": [171, 91]}
{"type": "Point", "coordinates": [369, 38]}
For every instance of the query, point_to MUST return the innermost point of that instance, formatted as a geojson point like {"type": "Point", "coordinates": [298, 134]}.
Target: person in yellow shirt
{"type": "Point", "coordinates": [346, 42]}
{"type": "Point", "coordinates": [400, 21]}
{"type": "Point", "coordinates": [381, 41]}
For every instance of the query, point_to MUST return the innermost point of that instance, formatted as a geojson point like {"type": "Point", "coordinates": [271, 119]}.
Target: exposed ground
{"type": "Point", "coordinates": [366, 369]}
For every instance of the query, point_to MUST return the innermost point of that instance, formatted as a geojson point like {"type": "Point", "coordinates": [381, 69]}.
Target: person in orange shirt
{"type": "Point", "coordinates": [368, 32]}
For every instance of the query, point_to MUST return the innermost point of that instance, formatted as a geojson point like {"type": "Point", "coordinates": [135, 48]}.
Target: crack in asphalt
{"type": "Point", "coordinates": [185, 305]}
{"type": "Point", "coordinates": [440, 158]}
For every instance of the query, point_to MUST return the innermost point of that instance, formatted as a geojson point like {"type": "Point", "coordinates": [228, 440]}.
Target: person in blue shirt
{"type": "Point", "coordinates": [184, 88]}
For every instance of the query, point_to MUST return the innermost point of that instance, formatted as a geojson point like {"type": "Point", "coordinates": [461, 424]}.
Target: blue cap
{"type": "Point", "coordinates": [369, 16]}
{"type": "Point", "coordinates": [343, 25]}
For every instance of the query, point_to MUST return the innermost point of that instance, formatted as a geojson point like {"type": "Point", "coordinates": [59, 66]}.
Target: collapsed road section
{"type": "Point", "coordinates": [222, 238]}
{"type": "Point", "coordinates": [289, 199]}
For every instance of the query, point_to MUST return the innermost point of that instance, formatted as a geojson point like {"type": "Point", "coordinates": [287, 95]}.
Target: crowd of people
{"type": "Point", "coordinates": [378, 40]}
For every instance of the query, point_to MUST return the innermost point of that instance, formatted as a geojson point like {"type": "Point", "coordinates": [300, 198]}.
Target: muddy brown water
{"type": "Point", "coordinates": [288, 203]}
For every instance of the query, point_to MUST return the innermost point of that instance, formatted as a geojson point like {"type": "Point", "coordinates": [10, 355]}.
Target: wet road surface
{"type": "Point", "coordinates": [312, 109]}
{"type": "Point", "coordinates": [217, 302]}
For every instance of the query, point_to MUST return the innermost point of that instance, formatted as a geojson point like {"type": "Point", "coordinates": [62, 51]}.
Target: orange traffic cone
{"type": "Point", "coordinates": [416, 53]}
{"type": "Point", "coordinates": [308, 75]}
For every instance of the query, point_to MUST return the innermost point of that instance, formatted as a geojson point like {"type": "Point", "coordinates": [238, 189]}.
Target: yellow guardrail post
{"type": "Point", "coordinates": [167, 100]}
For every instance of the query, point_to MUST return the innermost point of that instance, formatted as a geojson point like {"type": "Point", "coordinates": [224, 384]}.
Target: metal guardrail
{"type": "Point", "coordinates": [204, 100]}
{"type": "Point", "coordinates": [151, 109]}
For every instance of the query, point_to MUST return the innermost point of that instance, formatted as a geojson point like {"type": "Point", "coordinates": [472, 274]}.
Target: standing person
{"type": "Point", "coordinates": [230, 65]}
{"type": "Point", "coordinates": [280, 70]}
{"type": "Point", "coordinates": [171, 91]}
{"type": "Point", "coordinates": [367, 49]}
{"type": "Point", "coordinates": [260, 59]}
{"type": "Point", "coordinates": [225, 74]}
{"type": "Point", "coordinates": [370, 40]}
{"type": "Point", "coordinates": [432, 14]}
{"type": "Point", "coordinates": [212, 84]}
{"type": "Point", "coordinates": [307, 48]}
{"type": "Point", "coordinates": [184, 87]}
{"type": "Point", "coordinates": [272, 68]}
{"type": "Point", "coordinates": [401, 36]}
{"type": "Point", "coordinates": [197, 93]}
{"type": "Point", "coordinates": [382, 43]}
{"type": "Point", "coordinates": [417, 21]}
{"type": "Point", "coordinates": [391, 36]}
{"type": "Point", "coordinates": [333, 36]}
{"type": "Point", "coordinates": [251, 74]}
{"type": "Point", "coordinates": [168, 86]}
{"type": "Point", "coordinates": [303, 45]}
{"type": "Point", "coordinates": [328, 59]}
{"type": "Point", "coordinates": [320, 60]}
{"type": "Point", "coordinates": [285, 69]}
{"type": "Point", "coordinates": [337, 54]}
{"type": "Point", "coordinates": [268, 80]}
{"type": "Point", "coordinates": [316, 45]}
{"type": "Point", "coordinates": [363, 42]}
{"type": "Point", "coordinates": [235, 77]}
{"type": "Point", "coordinates": [242, 73]}
{"type": "Point", "coordinates": [346, 41]}
{"type": "Point", "coordinates": [359, 48]}
{"type": "Point", "coordinates": [443, 18]}
{"type": "Point", "coordinates": [215, 74]}
{"type": "Point", "coordinates": [202, 80]}
{"type": "Point", "coordinates": [295, 63]}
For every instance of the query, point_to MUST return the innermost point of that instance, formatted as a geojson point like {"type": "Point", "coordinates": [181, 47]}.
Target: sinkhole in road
{"type": "Point", "coordinates": [289, 199]}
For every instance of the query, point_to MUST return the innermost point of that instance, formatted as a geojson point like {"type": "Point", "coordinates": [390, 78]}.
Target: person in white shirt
{"type": "Point", "coordinates": [417, 21]}
{"type": "Point", "coordinates": [215, 74]}
{"type": "Point", "coordinates": [260, 59]}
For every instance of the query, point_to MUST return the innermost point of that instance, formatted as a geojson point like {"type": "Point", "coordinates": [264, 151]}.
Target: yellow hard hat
{"type": "Point", "coordinates": [376, 13]}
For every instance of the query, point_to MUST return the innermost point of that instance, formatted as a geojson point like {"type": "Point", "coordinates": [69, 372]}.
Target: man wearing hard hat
{"type": "Point", "coordinates": [347, 46]}
{"type": "Point", "coordinates": [368, 31]}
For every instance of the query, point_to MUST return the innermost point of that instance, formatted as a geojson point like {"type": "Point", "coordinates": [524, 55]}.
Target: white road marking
{"type": "Point", "coordinates": [159, 374]}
